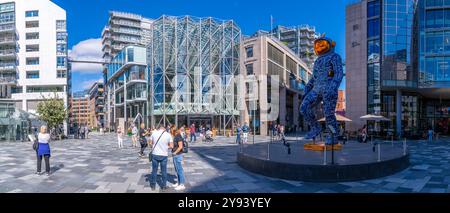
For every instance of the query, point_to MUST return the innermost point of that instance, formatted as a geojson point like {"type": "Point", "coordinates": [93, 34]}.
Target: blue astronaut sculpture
{"type": "Point", "coordinates": [323, 86]}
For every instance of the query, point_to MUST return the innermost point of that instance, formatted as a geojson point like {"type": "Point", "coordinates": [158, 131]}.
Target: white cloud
{"type": "Point", "coordinates": [89, 83]}
{"type": "Point", "coordinates": [87, 50]}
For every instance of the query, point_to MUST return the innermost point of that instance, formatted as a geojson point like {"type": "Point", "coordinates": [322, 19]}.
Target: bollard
{"type": "Point", "coordinates": [392, 140]}
{"type": "Point", "coordinates": [268, 151]}
{"type": "Point", "coordinates": [325, 155]}
{"type": "Point", "coordinates": [379, 152]}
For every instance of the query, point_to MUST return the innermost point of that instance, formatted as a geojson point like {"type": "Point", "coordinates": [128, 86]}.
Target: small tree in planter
{"type": "Point", "coordinates": [52, 111]}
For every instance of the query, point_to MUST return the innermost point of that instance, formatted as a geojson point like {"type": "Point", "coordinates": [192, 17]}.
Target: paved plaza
{"type": "Point", "coordinates": [97, 165]}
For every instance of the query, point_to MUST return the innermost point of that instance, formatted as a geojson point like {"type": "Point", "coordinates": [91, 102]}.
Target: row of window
{"type": "Point", "coordinates": [437, 18]}
{"type": "Point", "coordinates": [437, 3]}
{"type": "Point", "coordinates": [7, 7]}
{"type": "Point", "coordinates": [39, 89]}
{"type": "Point", "coordinates": [60, 24]}
{"type": "Point", "coordinates": [61, 61]}
{"type": "Point", "coordinates": [7, 17]}
{"type": "Point", "coordinates": [437, 42]}
{"type": "Point", "coordinates": [35, 74]}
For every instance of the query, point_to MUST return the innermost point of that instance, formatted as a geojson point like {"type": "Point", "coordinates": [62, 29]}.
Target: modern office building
{"type": "Point", "coordinates": [299, 39]}
{"type": "Point", "coordinates": [121, 30]}
{"type": "Point", "coordinates": [128, 79]}
{"type": "Point", "coordinates": [264, 57]}
{"type": "Point", "coordinates": [397, 64]}
{"type": "Point", "coordinates": [33, 53]}
{"type": "Point", "coordinates": [179, 69]}
{"type": "Point", "coordinates": [194, 62]}
{"type": "Point", "coordinates": [96, 105]}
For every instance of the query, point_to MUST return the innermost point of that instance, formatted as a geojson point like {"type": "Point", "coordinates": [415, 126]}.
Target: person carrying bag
{"type": "Point", "coordinates": [150, 155]}
{"type": "Point", "coordinates": [161, 142]}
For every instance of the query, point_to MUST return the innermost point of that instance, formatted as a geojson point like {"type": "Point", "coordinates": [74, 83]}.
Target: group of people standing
{"type": "Point", "coordinates": [82, 132]}
{"type": "Point", "coordinates": [244, 130]}
{"type": "Point", "coordinates": [164, 141]}
{"type": "Point", "coordinates": [278, 131]}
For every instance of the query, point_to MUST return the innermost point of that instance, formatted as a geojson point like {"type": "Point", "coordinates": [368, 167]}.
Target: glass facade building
{"type": "Point", "coordinates": [127, 81]}
{"type": "Point", "coordinates": [193, 63]}
{"type": "Point", "coordinates": [184, 75]}
{"type": "Point", "coordinates": [408, 63]}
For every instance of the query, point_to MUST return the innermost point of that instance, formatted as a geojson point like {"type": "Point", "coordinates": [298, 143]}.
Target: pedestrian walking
{"type": "Point", "coordinates": [192, 133]}
{"type": "Point", "coordinates": [134, 136]}
{"type": "Point", "coordinates": [238, 134]}
{"type": "Point", "coordinates": [245, 131]}
{"type": "Point", "coordinates": [177, 153]}
{"type": "Point", "coordinates": [142, 139]}
{"type": "Point", "coordinates": [87, 130]}
{"type": "Point", "coordinates": [82, 133]}
{"type": "Point", "coordinates": [43, 151]}
{"type": "Point", "coordinates": [430, 134]}
{"type": "Point", "coordinates": [120, 134]}
{"type": "Point", "coordinates": [161, 141]}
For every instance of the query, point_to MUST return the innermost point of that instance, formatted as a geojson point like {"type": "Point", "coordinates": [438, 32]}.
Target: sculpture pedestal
{"type": "Point", "coordinates": [320, 146]}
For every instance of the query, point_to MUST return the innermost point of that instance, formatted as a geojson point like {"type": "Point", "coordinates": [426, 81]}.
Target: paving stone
{"type": "Point", "coordinates": [96, 165]}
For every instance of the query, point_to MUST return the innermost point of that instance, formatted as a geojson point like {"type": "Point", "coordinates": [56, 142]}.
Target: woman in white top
{"type": "Point", "coordinates": [120, 137]}
{"type": "Point", "coordinates": [43, 150]}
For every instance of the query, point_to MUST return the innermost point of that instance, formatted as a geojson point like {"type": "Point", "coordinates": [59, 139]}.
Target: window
{"type": "Point", "coordinates": [249, 51]}
{"type": "Point", "coordinates": [373, 9]}
{"type": "Point", "coordinates": [61, 24]}
{"type": "Point", "coordinates": [438, 18]}
{"type": "Point", "coordinates": [275, 54]}
{"type": "Point", "coordinates": [32, 61]}
{"type": "Point", "coordinates": [249, 68]}
{"type": "Point", "coordinates": [61, 48]}
{"type": "Point", "coordinates": [373, 50]}
{"type": "Point", "coordinates": [291, 65]}
{"type": "Point", "coordinates": [31, 36]}
{"type": "Point", "coordinates": [38, 89]}
{"type": "Point", "coordinates": [32, 24]}
{"type": "Point", "coordinates": [6, 7]}
{"type": "Point", "coordinates": [15, 90]}
{"type": "Point", "coordinates": [373, 28]}
{"type": "Point", "coordinates": [355, 27]}
{"type": "Point", "coordinates": [130, 54]}
{"type": "Point", "coordinates": [60, 36]}
{"type": "Point", "coordinates": [61, 74]}
{"type": "Point", "coordinates": [32, 13]}
{"type": "Point", "coordinates": [32, 48]}
{"type": "Point", "coordinates": [7, 17]}
{"type": "Point", "coordinates": [61, 61]}
{"type": "Point", "coordinates": [32, 74]}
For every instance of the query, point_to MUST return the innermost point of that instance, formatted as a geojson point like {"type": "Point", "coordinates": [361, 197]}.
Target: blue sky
{"type": "Point", "coordinates": [86, 19]}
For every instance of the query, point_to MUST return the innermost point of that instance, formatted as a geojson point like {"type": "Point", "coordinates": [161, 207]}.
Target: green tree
{"type": "Point", "coordinates": [52, 111]}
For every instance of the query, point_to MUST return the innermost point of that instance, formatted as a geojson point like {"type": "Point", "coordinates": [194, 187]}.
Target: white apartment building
{"type": "Point", "coordinates": [40, 58]}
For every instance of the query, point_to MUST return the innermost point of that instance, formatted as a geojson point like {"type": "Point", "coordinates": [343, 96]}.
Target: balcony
{"type": "Point", "coordinates": [117, 46]}
{"type": "Point", "coordinates": [8, 67]}
{"type": "Point", "coordinates": [125, 39]}
{"type": "Point", "coordinates": [7, 28]}
{"type": "Point", "coordinates": [9, 80]}
{"type": "Point", "coordinates": [8, 54]}
{"type": "Point", "coordinates": [7, 40]}
{"type": "Point", "coordinates": [126, 23]}
{"type": "Point", "coordinates": [125, 31]}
